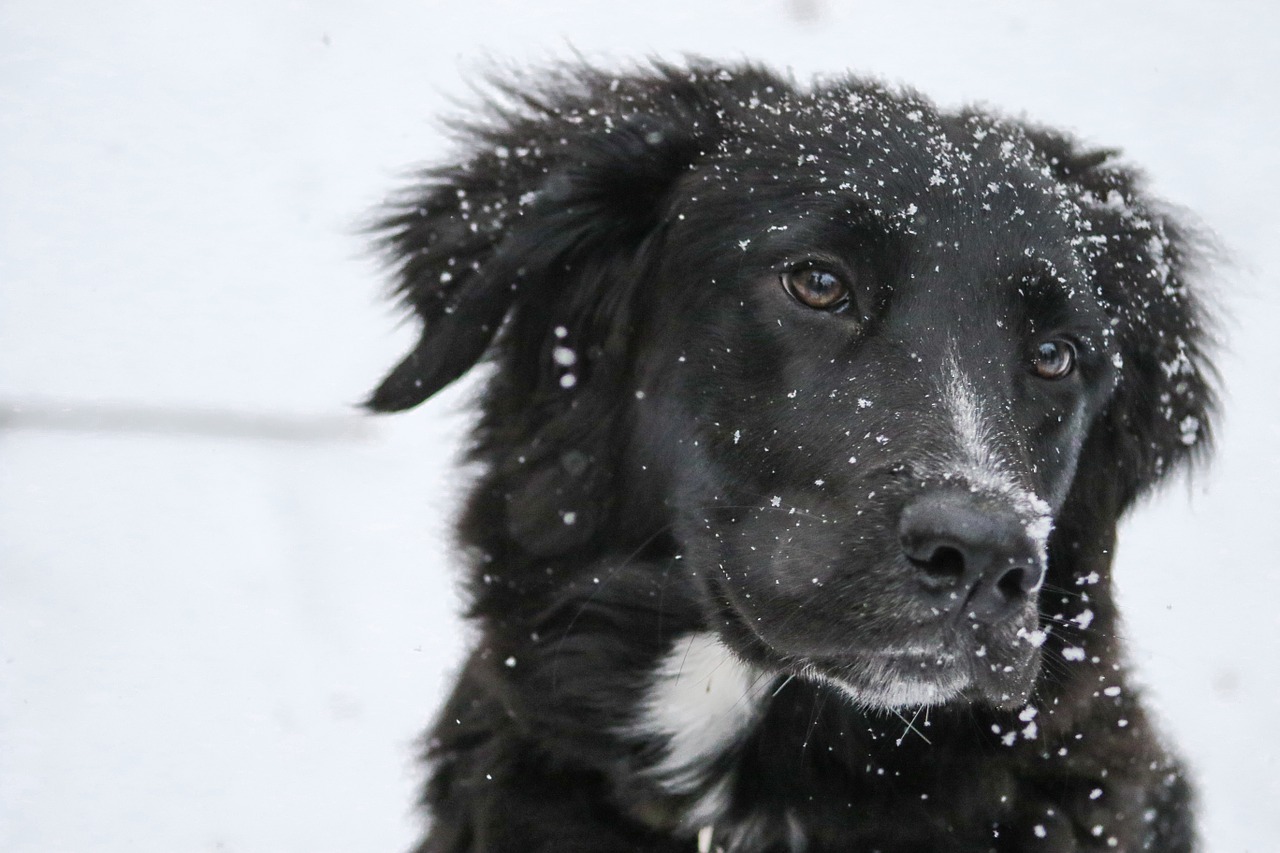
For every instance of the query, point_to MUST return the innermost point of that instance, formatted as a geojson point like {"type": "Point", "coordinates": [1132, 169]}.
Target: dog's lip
{"type": "Point", "coordinates": [930, 675]}
{"type": "Point", "coordinates": [953, 671]}
{"type": "Point", "coordinates": [913, 653]}
{"type": "Point", "coordinates": [958, 664]}
{"type": "Point", "coordinates": [896, 678]}
{"type": "Point", "coordinates": [910, 655]}
{"type": "Point", "coordinates": [916, 662]}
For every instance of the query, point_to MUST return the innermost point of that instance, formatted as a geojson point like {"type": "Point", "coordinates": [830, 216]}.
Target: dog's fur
{"type": "Point", "coordinates": [702, 624]}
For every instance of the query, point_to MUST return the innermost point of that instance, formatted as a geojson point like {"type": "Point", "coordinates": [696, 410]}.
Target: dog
{"type": "Point", "coordinates": [811, 415]}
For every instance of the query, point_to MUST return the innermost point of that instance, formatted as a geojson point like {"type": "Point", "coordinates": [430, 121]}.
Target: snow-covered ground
{"type": "Point", "coordinates": [226, 603]}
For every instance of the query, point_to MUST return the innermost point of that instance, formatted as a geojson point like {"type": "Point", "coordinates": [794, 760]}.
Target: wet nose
{"type": "Point", "coordinates": [973, 558]}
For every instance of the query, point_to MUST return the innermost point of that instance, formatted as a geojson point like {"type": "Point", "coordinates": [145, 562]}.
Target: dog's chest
{"type": "Point", "coordinates": [701, 705]}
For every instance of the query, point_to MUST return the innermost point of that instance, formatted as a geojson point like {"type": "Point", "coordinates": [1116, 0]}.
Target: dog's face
{"type": "Point", "coordinates": [872, 386]}
{"type": "Point", "coordinates": [864, 358]}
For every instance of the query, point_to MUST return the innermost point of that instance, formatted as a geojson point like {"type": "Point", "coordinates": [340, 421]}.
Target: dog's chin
{"type": "Point", "coordinates": [966, 671]}
{"type": "Point", "coordinates": [893, 680]}
{"type": "Point", "coordinates": [908, 679]}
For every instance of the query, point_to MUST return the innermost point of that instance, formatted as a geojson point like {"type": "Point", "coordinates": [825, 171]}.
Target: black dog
{"type": "Point", "coordinates": [812, 415]}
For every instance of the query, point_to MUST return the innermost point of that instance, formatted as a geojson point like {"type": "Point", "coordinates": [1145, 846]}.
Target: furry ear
{"type": "Point", "coordinates": [577, 167]}
{"type": "Point", "coordinates": [1144, 266]}
{"type": "Point", "coordinates": [541, 239]}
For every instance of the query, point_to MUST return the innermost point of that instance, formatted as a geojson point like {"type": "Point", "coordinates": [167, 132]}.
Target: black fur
{"type": "Point", "coordinates": [720, 457]}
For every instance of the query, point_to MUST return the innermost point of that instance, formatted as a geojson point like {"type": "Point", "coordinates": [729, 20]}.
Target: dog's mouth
{"type": "Point", "coordinates": [908, 678]}
{"type": "Point", "coordinates": [969, 668]}
{"type": "Point", "coordinates": [921, 677]}
{"type": "Point", "coordinates": [914, 677]}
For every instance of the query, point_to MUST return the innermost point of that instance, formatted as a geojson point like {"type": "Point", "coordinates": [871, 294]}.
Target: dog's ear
{"type": "Point", "coordinates": [540, 239]}
{"type": "Point", "coordinates": [1146, 267]}
{"type": "Point", "coordinates": [563, 176]}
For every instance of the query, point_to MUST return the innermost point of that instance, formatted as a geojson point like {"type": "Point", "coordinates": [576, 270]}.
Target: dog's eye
{"type": "Point", "coordinates": [1054, 359]}
{"type": "Point", "coordinates": [817, 287]}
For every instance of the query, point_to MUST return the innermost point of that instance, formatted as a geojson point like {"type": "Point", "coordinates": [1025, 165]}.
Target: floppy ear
{"type": "Point", "coordinates": [573, 167]}
{"type": "Point", "coordinates": [1145, 266]}
{"type": "Point", "coordinates": [541, 235]}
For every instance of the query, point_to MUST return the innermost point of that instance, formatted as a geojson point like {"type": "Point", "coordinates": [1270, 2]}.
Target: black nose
{"type": "Point", "coordinates": [974, 558]}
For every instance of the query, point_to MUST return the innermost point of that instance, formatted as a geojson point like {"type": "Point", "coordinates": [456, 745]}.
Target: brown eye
{"type": "Point", "coordinates": [1054, 359]}
{"type": "Point", "coordinates": [817, 288]}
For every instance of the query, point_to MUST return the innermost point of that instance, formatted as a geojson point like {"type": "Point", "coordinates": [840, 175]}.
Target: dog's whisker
{"type": "Point", "coordinates": [819, 703]}
{"type": "Point", "coordinates": [685, 658]}
{"type": "Point", "coordinates": [911, 726]}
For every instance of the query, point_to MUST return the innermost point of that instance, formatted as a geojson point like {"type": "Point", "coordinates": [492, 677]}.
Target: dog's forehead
{"type": "Point", "coordinates": [912, 167]}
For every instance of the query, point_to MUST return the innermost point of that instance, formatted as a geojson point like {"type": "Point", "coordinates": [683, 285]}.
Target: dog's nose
{"type": "Point", "coordinates": [973, 558]}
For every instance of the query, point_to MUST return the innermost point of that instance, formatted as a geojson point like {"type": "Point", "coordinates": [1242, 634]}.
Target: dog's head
{"type": "Point", "coordinates": [883, 376]}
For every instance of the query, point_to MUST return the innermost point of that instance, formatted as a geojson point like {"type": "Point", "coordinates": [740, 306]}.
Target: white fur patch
{"type": "Point", "coordinates": [982, 466]}
{"type": "Point", "coordinates": [702, 700]}
{"type": "Point", "coordinates": [972, 433]}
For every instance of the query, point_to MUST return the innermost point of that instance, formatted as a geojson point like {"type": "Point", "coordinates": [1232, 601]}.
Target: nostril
{"type": "Point", "coordinates": [945, 565]}
{"type": "Point", "coordinates": [1019, 581]}
{"type": "Point", "coordinates": [1013, 583]}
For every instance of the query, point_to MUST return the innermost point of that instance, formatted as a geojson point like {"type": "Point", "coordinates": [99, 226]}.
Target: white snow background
{"type": "Point", "coordinates": [227, 601]}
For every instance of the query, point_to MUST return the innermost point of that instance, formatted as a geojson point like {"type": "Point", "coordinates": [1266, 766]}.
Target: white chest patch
{"type": "Point", "coordinates": [702, 701]}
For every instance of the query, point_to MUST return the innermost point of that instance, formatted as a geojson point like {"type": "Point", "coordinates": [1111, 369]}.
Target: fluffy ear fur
{"type": "Point", "coordinates": [1144, 262]}
{"type": "Point", "coordinates": [541, 234]}
{"type": "Point", "coordinates": [540, 193]}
